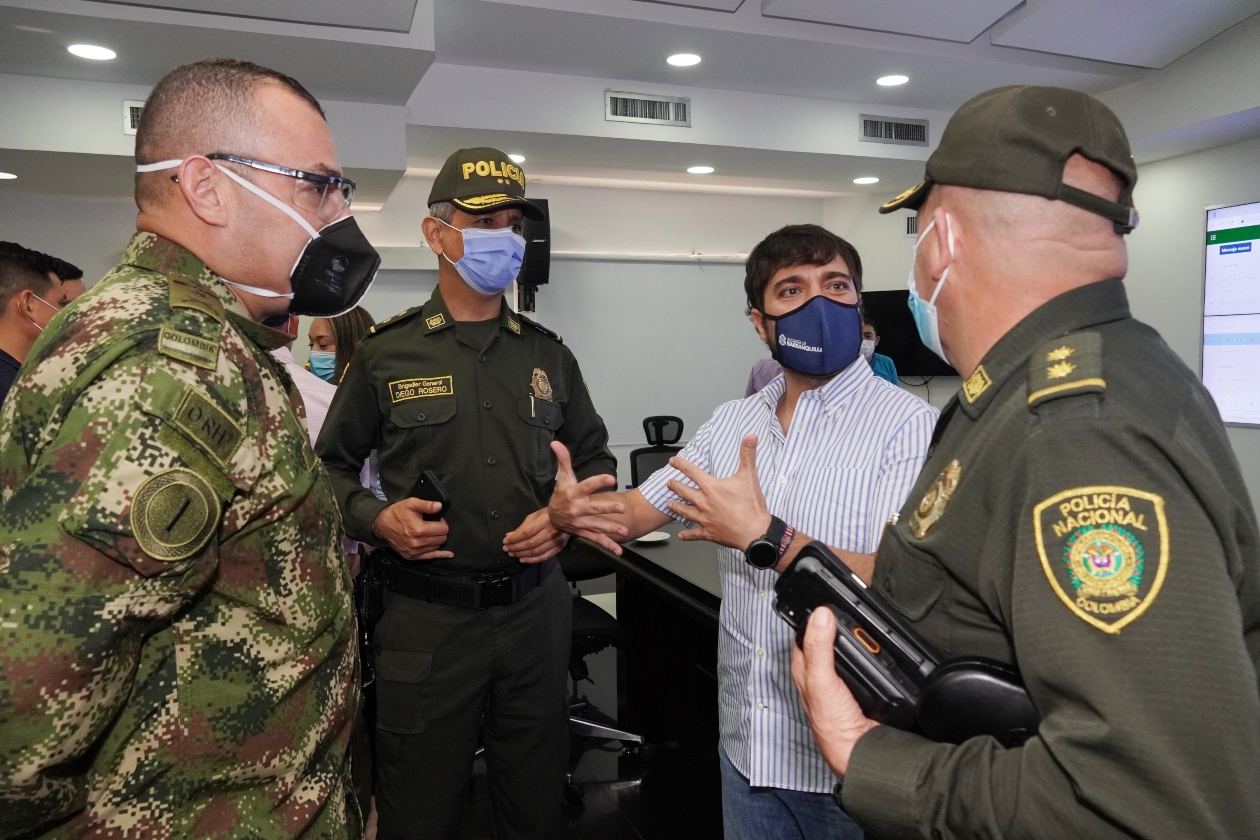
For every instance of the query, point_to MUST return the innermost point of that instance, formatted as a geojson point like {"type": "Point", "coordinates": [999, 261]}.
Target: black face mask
{"type": "Point", "coordinates": [333, 271]}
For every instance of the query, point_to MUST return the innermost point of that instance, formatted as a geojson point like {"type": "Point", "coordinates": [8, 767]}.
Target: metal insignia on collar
{"type": "Point", "coordinates": [976, 384]}
{"type": "Point", "coordinates": [935, 499]}
{"type": "Point", "coordinates": [541, 385]}
{"type": "Point", "coordinates": [435, 321]}
{"type": "Point", "coordinates": [514, 326]}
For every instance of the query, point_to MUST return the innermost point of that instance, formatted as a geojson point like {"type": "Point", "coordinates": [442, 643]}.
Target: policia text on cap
{"type": "Point", "coordinates": [475, 635]}
{"type": "Point", "coordinates": [1081, 514]}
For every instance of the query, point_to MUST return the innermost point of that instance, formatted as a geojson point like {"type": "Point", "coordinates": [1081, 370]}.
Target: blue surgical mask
{"type": "Point", "coordinates": [924, 311]}
{"type": "Point", "coordinates": [819, 338]}
{"type": "Point", "coordinates": [492, 258]}
{"type": "Point", "coordinates": [324, 364]}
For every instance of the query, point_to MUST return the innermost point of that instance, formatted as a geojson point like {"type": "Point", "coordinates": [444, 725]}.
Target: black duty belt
{"type": "Point", "coordinates": [464, 589]}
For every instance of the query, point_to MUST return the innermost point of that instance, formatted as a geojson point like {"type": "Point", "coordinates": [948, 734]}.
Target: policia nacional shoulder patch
{"type": "Point", "coordinates": [1104, 550]}
{"type": "Point", "coordinates": [174, 514]}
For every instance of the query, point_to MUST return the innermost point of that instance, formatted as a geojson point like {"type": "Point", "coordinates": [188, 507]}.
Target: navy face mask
{"type": "Point", "coordinates": [819, 338]}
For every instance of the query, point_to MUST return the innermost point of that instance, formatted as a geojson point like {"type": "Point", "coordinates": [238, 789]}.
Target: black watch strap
{"type": "Point", "coordinates": [775, 533]}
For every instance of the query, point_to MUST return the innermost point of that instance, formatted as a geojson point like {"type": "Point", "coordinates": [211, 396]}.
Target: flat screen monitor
{"type": "Point", "coordinates": [1230, 353]}
{"type": "Point", "coordinates": [898, 336]}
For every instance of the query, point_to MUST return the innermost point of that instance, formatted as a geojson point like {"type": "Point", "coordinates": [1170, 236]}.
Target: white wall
{"type": "Point", "coordinates": [89, 232]}
{"type": "Point", "coordinates": [1165, 280]}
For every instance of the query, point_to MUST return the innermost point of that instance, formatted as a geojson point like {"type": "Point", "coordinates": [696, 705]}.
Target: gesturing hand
{"type": "Point", "coordinates": [730, 511]}
{"type": "Point", "coordinates": [573, 510]}
{"type": "Point", "coordinates": [834, 716]}
{"type": "Point", "coordinates": [535, 540]}
{"type": "Point", "coordinates": [402, 526]}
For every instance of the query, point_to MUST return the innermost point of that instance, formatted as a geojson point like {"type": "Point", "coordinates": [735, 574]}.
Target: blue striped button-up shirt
{"type": "Point", "coordinates": [851, 454]}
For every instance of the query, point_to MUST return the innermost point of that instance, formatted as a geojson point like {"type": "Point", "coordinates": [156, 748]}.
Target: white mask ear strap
{"type": "Point", "coordinates": [272, 200]}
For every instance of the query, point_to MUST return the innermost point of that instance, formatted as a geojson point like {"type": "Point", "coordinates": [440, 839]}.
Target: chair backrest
{"type": "Point", "coordinates": [649, 459]}
{"type": "Point", "coordinates": [663, 430]}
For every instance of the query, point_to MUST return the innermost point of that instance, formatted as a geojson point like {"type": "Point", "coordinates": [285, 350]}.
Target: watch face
{"type": "Point", "coordinates": [762, 554]}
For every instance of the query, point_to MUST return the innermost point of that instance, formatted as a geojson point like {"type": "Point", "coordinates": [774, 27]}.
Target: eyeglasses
{"type": "Point", "coordinates": [324, 195]}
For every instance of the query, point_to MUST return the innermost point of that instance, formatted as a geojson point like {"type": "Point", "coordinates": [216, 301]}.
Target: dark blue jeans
{"type": "Point", "coordinates": [764, 813]}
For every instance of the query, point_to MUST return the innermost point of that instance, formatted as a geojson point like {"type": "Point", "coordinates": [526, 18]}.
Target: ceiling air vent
{"type": "Point", "coordinates": [899, 131]}
{"type": "Point", "coordinates": [620, 106]}
{"type": "Point", "coordinates": [131, 115]}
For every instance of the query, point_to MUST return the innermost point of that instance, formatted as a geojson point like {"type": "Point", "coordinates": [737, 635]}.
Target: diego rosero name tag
{"type": "Point", "coordinates": [401, 390]}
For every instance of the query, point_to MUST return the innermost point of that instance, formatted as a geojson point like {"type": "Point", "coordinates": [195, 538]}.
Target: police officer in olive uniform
{"type": "Point", "coordinates": [1081, 515]}
{"type": "Point", "coordinates": [475, 636]}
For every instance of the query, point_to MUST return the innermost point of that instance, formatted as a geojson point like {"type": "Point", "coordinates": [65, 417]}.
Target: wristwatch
{"type": "Point", "coordinates": [767, 550]}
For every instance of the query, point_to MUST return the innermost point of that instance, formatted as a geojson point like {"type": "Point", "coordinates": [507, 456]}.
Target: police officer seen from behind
{"type": "Point", "coordinates": [1081, 515]}
{"type": "Point", "coordinates": [475, 635]}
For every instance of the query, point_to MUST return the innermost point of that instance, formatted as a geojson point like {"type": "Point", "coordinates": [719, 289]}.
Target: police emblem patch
{"type": "Point", "coordinates": [1104, 551]}
{"type": "Point", "coordinates": [541, 385]}
{"type": "Point", "coordinates": [933, 503]}
{"type": "Point", "coordinates": [174, 515]}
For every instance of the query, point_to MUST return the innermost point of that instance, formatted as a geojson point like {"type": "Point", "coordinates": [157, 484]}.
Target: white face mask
{"type": "Point", "coordinates": [867, 349]}
{"type": "Point", "coordinates": [924, 311]}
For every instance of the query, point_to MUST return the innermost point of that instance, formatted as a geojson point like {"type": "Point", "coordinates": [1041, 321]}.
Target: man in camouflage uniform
{"type": "Point", "coordinates": [176, 655]}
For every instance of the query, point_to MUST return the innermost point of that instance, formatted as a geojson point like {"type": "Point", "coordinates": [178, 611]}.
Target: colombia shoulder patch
{"type": "Point", "coordinates": [174, 514]}
{"type": "Point", "coordinates": [189, 348]}
{"type": "Point", "coordinates": [1104, 550]}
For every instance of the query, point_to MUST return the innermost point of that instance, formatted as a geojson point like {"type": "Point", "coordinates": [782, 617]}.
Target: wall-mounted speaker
{"type": "Point", "coordinates": [536, 267]}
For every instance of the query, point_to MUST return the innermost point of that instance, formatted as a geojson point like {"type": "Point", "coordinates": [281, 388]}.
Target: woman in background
{"type": "Point", "coordinates": [333, 340]}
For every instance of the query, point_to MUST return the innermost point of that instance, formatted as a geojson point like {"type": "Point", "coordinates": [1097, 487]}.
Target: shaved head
{"type": "Point", "coordinates": [203, 107]}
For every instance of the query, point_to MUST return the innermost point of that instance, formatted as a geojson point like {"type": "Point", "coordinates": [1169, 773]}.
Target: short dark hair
{"type": "Point", "coordinates": [795, 245]}
{"type": "Point", "coordinates": [208, 103]}
{"type": "Point", "coordinates": [20, 268]}
{"type": "Point", "coordinates": [348, 330]}
{"type": "Point", "coordinates": [64, 270]}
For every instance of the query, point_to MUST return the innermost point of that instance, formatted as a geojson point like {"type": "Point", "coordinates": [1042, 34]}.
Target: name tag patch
{"type": "Point", "coordinates": [209, 425]}
{"type": "Point", "coordinates": [402, 390]}
{"type": "Point", "coordinates": [192, 349]}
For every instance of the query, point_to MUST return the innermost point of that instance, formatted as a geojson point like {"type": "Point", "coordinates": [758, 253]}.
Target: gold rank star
{"type": "Point", "coordinates": [1060, 354]}
{"type": "Point", "coordinates": [1060, 370]}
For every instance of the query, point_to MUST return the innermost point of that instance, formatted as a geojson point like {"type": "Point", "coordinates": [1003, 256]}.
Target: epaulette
{"type": "Point", "coordinates": [395, 319]}
{"type": "Point", "coordinates": [190, 339]}
{"type": "Point", "coordinates": [1066, 367]}
{"type": "Point", "coordinates": [540, 328]}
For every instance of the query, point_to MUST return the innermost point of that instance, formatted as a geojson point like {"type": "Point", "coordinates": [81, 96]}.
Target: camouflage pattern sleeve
{"type": "Point", "coordinates": [111, 530]}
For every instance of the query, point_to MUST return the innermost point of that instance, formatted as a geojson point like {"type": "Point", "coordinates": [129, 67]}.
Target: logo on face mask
{"type": "Point", "coordinates": [339, 264]}
{"type": "Point", "coordinates": [786, 341]}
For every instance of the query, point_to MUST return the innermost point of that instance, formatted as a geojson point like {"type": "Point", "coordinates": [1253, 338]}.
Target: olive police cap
{"type": "Point", "coordinates": [481, 180]}
{"type": "Point", "coordinates": [1018, 138]}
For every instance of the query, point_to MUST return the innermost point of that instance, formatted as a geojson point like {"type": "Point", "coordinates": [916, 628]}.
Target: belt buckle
{"type": "Point", "coordinates": [497, 591]}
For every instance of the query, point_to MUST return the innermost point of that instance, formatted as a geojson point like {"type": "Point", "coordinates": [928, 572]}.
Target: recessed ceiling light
{"type": "Point", "coordinates": [93, 52]}
{"type": "Point", "coordinates": [892, 81]}
{"type": "Point", "coordinates": [699, 170]}
{"type": "Point", "coordinates": [7, 176]}
{"type": "Point", "coordinates": [517, 158]}
{"type": "Point", "coordinates": [869, 179]}
{"type": "Point", "coordinates": [684, 60]}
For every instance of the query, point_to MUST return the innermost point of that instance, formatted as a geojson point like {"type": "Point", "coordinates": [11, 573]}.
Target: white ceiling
{"type": "Point", "coordinates": [949, 20]}
{"type": "Point", "coordinates": [391, 15]}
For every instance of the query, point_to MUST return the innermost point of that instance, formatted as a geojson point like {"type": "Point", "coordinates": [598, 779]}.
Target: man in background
{"type": "Point", "coordinates": [177, 651]}
{"type": "Point", "coordinates": [31, 294]}
{"type": "Point", "coordinates": [881, 365]}
{"type": "Point", "coordinates": [824, 451]}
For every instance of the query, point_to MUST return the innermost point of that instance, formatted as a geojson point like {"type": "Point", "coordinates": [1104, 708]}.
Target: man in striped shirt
{"type": "Point", "coordinates": [825, 451]}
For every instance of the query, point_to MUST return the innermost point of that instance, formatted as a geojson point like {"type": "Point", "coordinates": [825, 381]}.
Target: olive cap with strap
{"type": "Point", "coordinates": [1018, 139]}
{"type": "Point", "coordinates": [482, 180]}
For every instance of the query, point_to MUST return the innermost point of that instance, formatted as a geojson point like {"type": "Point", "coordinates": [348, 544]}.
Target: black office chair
{"type": "Point", "coordinates": [593, 630]}
{"type": "Point", "coordinates": [662, 432]}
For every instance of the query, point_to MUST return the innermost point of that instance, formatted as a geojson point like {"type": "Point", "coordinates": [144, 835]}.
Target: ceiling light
{"type": "Point", "coordinates": [684, 60]}
{"type": "Point", "coordinates": [868, 179]}
{"type": "Point", "coordinates": [7, 176]}
{"type": "Point", "coordinates": [699, 170]}
{"type": "Point", "coordinates": [93, 52]}
{"type": "Point", "coordinates": [517, 158]}
{"type": "Point", "coordinates": [892, 81]}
